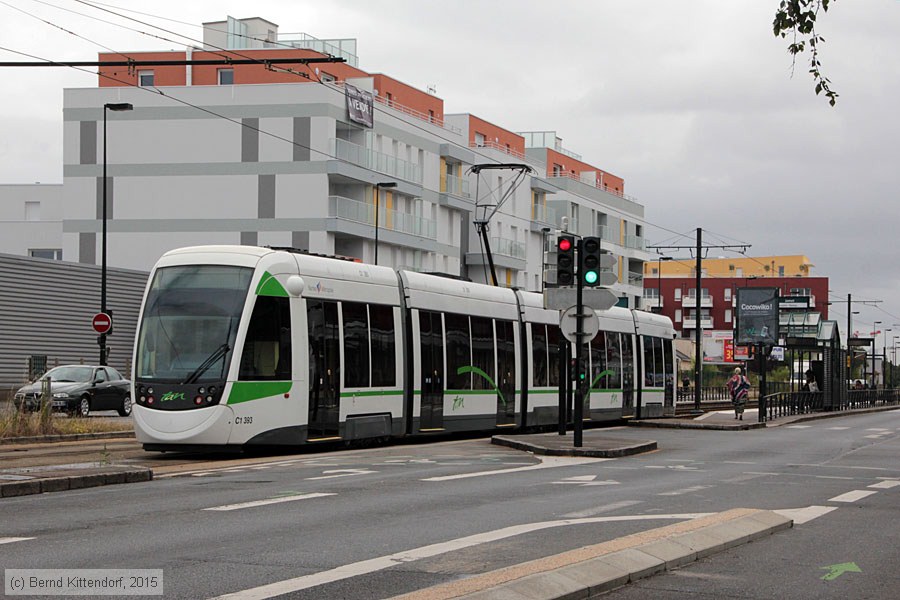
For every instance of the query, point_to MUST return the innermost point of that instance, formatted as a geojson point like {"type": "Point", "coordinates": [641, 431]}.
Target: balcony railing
{"type": "Point", "coordinates": [576, 177]}
{"type": "Point", "coordinates": [499, 148]}
{"type": "Point", "coordinates": [434, 120]}
{"type": "Point", "coordinates": [507, 247]}
{"type": "Point", "coordinates": [455, 186]}
{"type": "Point", "coordinates": [544, 214]}
{"type": "Point", "coordinates": [636, 279]}
{"type": "Point", "coordinates": [363, 212]}
{"type": "Point", "coordinates": [705, 323]}
{"type": "Point", "coordinates": [691, 301]}
{"type": "Point", "coordinates": [377, 161]}
{"type": "Point", "coordinates": [634, 242]}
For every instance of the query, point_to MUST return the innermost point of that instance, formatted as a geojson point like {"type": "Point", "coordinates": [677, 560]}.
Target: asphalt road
{"type": "Point", "coordinates": [380, 522]}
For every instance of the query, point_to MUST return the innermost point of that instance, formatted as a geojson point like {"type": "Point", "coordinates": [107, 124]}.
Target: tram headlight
{"type": "Point", "coordinates": [209, 399]}
{"type": "Point", "coordinates": [201, 391]}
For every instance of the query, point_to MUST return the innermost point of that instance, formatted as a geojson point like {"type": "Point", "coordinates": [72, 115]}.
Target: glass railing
{"type": "Point", "coordinates": [634, 242]}
{"type": "Point", "coordinates": [364, 212]}
{"type": "Point", "coordinates": [377, 161]}
{"type": "Point", "coordinates": [508, 247]}
{"type": "Point", "coordinates": [455, 186]}
{"type": "Point", "coordinates": [544, 214]}
{"type": "Point", "coordinates": [636, 279]}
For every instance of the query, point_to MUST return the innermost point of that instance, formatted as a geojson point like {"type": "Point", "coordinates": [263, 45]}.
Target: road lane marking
{"type": "Point", "coordinates": [11, 540]}
{"type": "Point", "coordinates": [683, 491]}
{"type": "Point", "coordinates": [799, 426]}
{"type": "Point", "coordinates": [852, 496]}
{"type": "Point", "coordinates": [602, 509]}
{"type": "Point", "coordinates": [342, 473]}
{"type": "Point", "coordinates": [255, 503]}
{"type": "Point", "coordinates": [406, 556]}
{"type": "Point", "coordinates": [878, 429]}
{"type": "Point", "coordinates": [805, 515]}
{"type": "Point", "coordinates": [885, 485]}
{"type": "Point", "coordinates": [875, 437]}
{"type": "Point", "coordinates": [838, 428]}
{"type": "Point", "coordinates": [547, 462]}
{"type": "Point", "coordinates": [584, 480]}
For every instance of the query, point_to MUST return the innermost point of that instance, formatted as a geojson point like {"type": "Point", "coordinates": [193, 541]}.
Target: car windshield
{"type": "Point", "coordinates": [63, 374]}
{"type": "Point", "coordinates": [190, 321]}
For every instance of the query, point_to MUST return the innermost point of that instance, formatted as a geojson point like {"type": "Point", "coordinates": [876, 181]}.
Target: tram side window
{"type": "Point", "coordinates": [267, 348]}
{"type": "Point", "coordinates": [356, 344]}
{"type": "Point", "coordinates": [598, 361]}
{"type": "Point", "coordinates": [539, 355]}
{"type": "Point", "coordinates": [459, 352]}
{"type": "Point", "coordinates": [614, 361]}
{"type": "Point", "coordinates": [553, 337]}
{"type": "Point", "coordinates": [483, 352]}
{"type": "Point", "coordinates": [649, 360]}
{"type": "Point", "coordinates": [324, 355]}
{"type": "Point", "coordinates": [384, 358]}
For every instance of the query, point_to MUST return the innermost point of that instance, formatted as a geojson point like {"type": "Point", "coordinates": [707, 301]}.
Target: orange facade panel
{"type": "Point", "coordinates": [494, 136]}
{"type": "Point", "coordinates": [395, 92]}
{"type": "Point", "coordinates": [559, 164]}
{"type": "Point", "coordinates": [209, 74]}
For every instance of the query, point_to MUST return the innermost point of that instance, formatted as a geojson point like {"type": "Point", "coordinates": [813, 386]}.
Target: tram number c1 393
{"type": "Point", "coordinates": [243, 420]}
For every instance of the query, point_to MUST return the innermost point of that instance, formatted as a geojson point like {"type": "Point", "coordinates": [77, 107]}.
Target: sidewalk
{"type": "Point", "coordinates": [23, 481]}
{"type": "Point", "coordinates": [596, 443]}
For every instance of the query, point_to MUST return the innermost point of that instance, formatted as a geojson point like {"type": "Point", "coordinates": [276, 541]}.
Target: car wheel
{"type": "Point", "coordinates": [84, 407]}
{"type": "Point", "coordinates": [125, 409]}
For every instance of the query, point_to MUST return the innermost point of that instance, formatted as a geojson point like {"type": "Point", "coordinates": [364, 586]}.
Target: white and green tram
{"type": "Point", "coordinates": [241, 346]}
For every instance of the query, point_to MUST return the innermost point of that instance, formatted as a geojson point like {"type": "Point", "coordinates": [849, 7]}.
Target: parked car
{"type": "Point", "coordinates": [78, 390]}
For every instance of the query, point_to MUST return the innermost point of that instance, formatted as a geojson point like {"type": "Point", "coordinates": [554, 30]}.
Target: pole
{"type": "Point", "coordinates": [579, 385]}
{"type": "Point", "coordinates": [698, 364]}
{"type": "Point", "coordinates": [103, 247]}
{"type": "Point", "coordinates": [564, 383]}
{"type": "Point", "coordinates": [377, 194]}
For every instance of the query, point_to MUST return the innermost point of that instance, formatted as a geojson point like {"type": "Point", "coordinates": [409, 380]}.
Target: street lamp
{"type": "Point", "coordinates": [118, 107]}
{"type": "Point", "coordinates": [659, 262]}
{"type": "Point", "coordinates": [378, 186]}
{"type": "Point", "coordinates": [874, 337]}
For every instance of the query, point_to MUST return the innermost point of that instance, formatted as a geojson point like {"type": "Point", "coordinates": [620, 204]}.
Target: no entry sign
{"type": "Point", "coordinates": [101, 323]}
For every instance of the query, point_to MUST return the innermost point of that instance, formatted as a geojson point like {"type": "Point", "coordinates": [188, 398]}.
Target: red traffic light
{"type": "Point", "coordinates": [565, 244]}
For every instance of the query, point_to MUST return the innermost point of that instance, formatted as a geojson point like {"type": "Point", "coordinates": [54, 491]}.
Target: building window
{"type": "Point", "coordinates": [728, 315]}
{"type": "Point", "coordinates": [727, 293]}
{"type": "Point", "coordinates": [32, 211]}
{"type": "Point", "coordinates": [781, 271]}
{"type": "Point", "coordinates": [145, 78]}
{"type": "Point", "coordinates": [479, 140]}
{"type": "Point", "coordinates": [739, 272]}
{"type": "Point", "coordinates": [48, 253]}
{"type": "Point", "coordinates": [327, 77]}
{"type": "Point", "coordinates": [431, 116]}
{"type": "Point", "coordinates": [678, 315]}
{"type": "Point", "coordinates": [678, 293]}
{"type": "Point", "coordinates": [226, 76]}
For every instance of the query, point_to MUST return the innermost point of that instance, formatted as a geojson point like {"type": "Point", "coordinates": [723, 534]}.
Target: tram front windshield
{"type": "Point", "coordinates": [190, 322]}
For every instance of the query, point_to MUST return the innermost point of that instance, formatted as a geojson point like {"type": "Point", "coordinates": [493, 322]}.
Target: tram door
{"type": "Point", "coordinates": [628, 361]}
{"type": "Point", "coordinates": [506, 374]}
{"type": "Point", "coordinates": [324, 369]}
{"type": "Point", "coordinates": [431, 340]}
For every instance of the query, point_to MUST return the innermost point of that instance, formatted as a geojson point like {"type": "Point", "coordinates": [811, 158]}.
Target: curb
{"type": "Point", "coordinates": [536, 448]}
{"type": "Point", "coordinates": [829, 415]}
{"type": "Point", "coordinates": [692, 425]}
{"type": "Point", "coordinates": [593, 570]}
{"type": "Point", "coordinates": [71, 437]}
{"type": "Point", "coordinates": [73, 482]}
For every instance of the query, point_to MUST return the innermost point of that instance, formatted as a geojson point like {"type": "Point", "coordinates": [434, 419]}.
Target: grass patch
{"type": "Point", "coordinates": [15, 424]}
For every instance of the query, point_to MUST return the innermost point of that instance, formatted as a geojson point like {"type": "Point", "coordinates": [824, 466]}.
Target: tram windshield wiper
{"type": "Point", "coordinates": [206, 364]}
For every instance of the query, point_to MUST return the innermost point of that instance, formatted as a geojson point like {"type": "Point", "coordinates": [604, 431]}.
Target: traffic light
{"type": "Point", "coordinates": [565, 260]}
{"type": "Point", "coordinates": [590, 261]}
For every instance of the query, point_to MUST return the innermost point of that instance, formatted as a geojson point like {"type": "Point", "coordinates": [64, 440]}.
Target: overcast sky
{"type": "Point", "coordinates": [692, 102]}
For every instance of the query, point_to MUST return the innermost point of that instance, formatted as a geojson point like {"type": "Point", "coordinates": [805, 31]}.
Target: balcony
{"type": "Point", "coordinates": [652, 302]}
{"type": "Point", "coordinates": [635, 242]}
{"type": "Point", "coordinates": [544, 214]}
{"type": "Point", "coordinates": [499, 148]}
{"type": "Point", "coordinates": [455, 186]}
{"type": "Point", "coordinates": [705, 323]}
{"type": "Point", "coordinates": [636, 279]}
{"type": "Point", "coordinates": [363, 212]}
{"type": "Point", "coordinates": [691, 301]}
{"type": "Point", "coordinates": [507, 247]}
{"type": "Point", "coordinates": [376, 161]}
{"type": "Point", "coordinates": [575, 177]}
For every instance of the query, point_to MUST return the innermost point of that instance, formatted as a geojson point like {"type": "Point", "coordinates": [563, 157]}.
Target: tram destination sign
{"type": "Point", "coordinates": [564, 297]}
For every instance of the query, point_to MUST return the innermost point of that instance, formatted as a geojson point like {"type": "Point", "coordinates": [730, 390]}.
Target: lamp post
{"type": "Point", "coordinates": [378, 186]}
{"type": "Point", "coordinates": [659, 263]}
{"type": "Point", "coordinates": [884, 360]}
{"type": "Point", "coordinates": [874, 338]}
{"type": "Point", "coordinates": [118, 107]}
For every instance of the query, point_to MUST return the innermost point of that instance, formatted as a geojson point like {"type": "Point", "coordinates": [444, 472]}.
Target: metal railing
{"type": "Point", "coordinates": [500, 148]}
{"type": "Point", "coordinates": [377, 161]}
{"type": "Point", "coordinates": [433, 119]}
{"type": "Point", "coordinates": [636, 279]}
{"type": "Point", "coordinates": [363, 212]}
{"type": "Point", "coordinates": [797, 403]}
{"type": "Point", "coordinates": [455, 186]}
{"type": "Point", "coordinates": [544, 214]}
{"type": "Point", "coordinates": [609, 190]}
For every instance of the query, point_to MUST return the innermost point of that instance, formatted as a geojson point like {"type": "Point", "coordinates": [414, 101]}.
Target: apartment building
{"type": "Point", "coordinates": [267, 154]}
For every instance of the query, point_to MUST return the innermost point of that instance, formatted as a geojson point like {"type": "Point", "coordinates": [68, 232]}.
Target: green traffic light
{"type": "Point", "coordinates": [590, 277]}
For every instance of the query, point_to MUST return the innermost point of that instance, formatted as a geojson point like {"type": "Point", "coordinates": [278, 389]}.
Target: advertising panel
{"type": "Point", "coordinates": [757, 316]}
{"type": "Point", "coordinates": [718, 347]}
{"type": "Point", "coordinates": [360, 106]}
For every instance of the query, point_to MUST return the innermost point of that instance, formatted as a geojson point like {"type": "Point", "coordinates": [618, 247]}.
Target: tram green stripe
{"type": "Point", "coordinates": [376, 393]}
{"type": "Point", "coordinates": [269, 286]}
{"type": "Point", "coordinates": [245, 391]}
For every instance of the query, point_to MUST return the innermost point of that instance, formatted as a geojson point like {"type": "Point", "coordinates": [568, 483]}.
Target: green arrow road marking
{"type": "Point", "coordinates": [838, 570]}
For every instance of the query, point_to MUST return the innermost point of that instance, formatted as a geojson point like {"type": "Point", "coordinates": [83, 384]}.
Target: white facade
{"type": "Point", "coordinates": [282, 165]}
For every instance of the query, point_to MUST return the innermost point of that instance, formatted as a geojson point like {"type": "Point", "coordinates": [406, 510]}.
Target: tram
{"type": "Point", "coordinates": [242, 346]}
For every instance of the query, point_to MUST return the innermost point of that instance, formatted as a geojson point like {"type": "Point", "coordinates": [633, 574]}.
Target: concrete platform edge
{"type": "Point", "coordinates": [591, 571]}
{"type": "Point", "coordinates": [12, 489]}
{"type": "Point", "coordinates": [72, 437]}
{"type": "Point", "coordinates": [537, 448]}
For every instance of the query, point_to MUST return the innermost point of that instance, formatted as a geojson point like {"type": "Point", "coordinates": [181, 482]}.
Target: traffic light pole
{"type": "Point", "coordinates": [578, 415]}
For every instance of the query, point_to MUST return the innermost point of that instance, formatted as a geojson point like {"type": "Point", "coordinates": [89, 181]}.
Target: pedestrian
{"type": "Point", "coordinates": [810, 384]}
{"type": "Point", "coordinates": [738, 387]}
